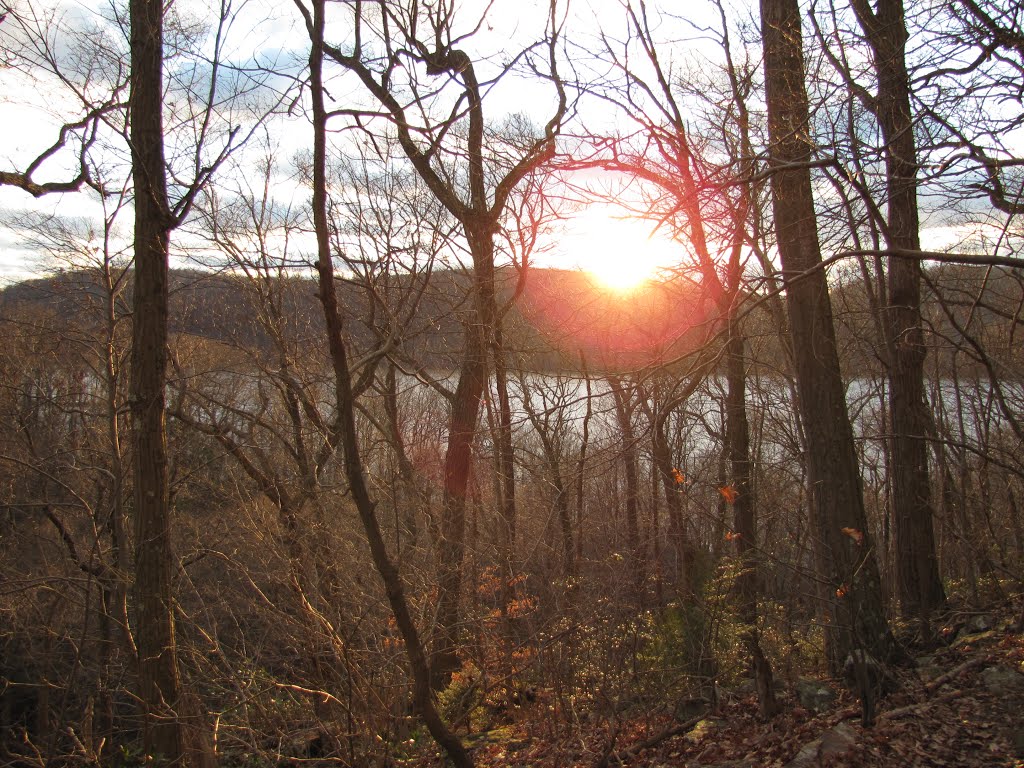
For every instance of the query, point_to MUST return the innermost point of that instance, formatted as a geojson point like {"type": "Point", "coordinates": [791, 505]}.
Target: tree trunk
{"type": "Point", "coordinates": [457, 464]}
{"type": "Point", "coordinates": [581, 464]}
{"type": "Point", "coordinates": [159, 684]}
{"type": "Point", "coordinates": [506, 461]}
{"type": "Point", "coordinates": [920, 587]}
{"type": "Point", "coordinates": [408, 495]}
{"type": "Point", "coordinates": [845, 555]}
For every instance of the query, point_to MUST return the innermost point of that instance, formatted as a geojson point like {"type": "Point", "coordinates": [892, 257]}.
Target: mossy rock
{"type": "Point", "coordinates": [702, 729]}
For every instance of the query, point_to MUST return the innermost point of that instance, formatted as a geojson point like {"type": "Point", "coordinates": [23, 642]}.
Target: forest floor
{"type": "Point", "coordinates": [962, 706]}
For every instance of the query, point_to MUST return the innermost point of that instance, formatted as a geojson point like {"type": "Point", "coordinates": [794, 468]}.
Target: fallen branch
{"type": "Point", "coordinates": [894, 714]}
{"type": "Point", "coordinates": [912, 709]}
{"type": "Point", "coordinates": [942, 679]}
{"type": "Point", "coordinates": [620, 758]}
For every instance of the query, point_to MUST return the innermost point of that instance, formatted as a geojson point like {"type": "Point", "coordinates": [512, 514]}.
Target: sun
{"type": "Point", "coordinates": [620, 253]}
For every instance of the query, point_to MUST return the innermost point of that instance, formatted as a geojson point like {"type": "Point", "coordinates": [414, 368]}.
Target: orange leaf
{"type": "Point", "coordinates": [729, 493]}
{"type": "Point", "coordinates": [853, 533]}
{"type": "Point", "coordinates": [678, 476]}
{"type": "Point", "coordinates": [841, 592]}
{"type": "Point", "coordinates": [732, 536]}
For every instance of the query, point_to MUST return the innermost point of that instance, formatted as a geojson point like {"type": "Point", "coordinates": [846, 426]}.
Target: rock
{"type": "Point", "coordinates": [687, 709]}
{"type": "Point", "coordinates": [815, 695]}
{"type": "Point", "coordinates": [1017, 739]}
{"type": "Point", "coordinates": [1002, 680]}
{"type": "Point", "coordinates": [744, 688]}
{"type": "Point", "coordinates": [837, 741]}
{"type": "Point", "coordinates": [833, 743]}
{"type": "Point", "coordinates": [807, 757]}
{"type": "Point", "coordinates": [748, 687]}
{"type": "Point", "coordinates": [981, 623]}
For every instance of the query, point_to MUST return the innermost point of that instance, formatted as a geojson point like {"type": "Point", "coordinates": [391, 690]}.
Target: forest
{"type": "Point", "coordinates": [318, 449]}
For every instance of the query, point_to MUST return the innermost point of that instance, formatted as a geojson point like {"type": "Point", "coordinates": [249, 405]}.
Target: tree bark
{"type": "Point", "coordinates": [159, 682]}
{"type": "Point", "coordinates": [845, 554]}
{"type": "Point", "coordinates": [678, 549]}
{"type": "Point", "coordinates": [457, 464]}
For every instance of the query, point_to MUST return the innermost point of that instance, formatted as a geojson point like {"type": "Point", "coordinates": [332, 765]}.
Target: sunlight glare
{"type": "Point", "coordinates": [620, 253]}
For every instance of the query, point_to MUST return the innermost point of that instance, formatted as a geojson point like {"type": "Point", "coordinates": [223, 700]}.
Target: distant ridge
{"type": "Point", "coordinates": [558, 317]}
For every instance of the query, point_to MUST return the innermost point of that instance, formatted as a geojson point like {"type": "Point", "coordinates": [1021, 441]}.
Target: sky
{"type": "Point", "coordinates": [31, 108]}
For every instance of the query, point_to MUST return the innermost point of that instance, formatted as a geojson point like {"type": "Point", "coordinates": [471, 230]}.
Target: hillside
{"type": "Point", "coordinates": [957, 705]}
{"type": "Point", "coordinates": [559, 316]}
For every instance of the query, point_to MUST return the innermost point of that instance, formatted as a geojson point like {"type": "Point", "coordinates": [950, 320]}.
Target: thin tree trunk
{"type": "Point", "coordinates": [744, 517]}
{"type": "Point", "coordinates": [115, 591]}
{"type": "Point", "coordinates": [506, 451]}
{"type": "Point", "coordinates": [345, 404]}
{"type": "Point", "coordinates": [920, 587]}
{"type": "Point", "coordinates": [624, 416]}
{"type": "Point", "coordinates": [581, 465]}
{"type": "Point", "coordinates": [671, 480]}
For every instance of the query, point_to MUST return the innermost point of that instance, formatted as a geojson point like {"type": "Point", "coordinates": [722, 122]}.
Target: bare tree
{"type": "Point", "coordinates": [75, 467]}
{"type": "Point", "coordinates": [845, 555]}
{"type": "Point", "coordinates": [345, 404]}
{"type": "Point", "coordinates": [173, 728]}
{"type": "Point", "coordinates": [403, 56]}
{"type": "Point", "coordinates": [715, 208]}
{"type": "Point", "coordinates": [921, 590]}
